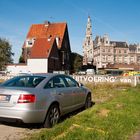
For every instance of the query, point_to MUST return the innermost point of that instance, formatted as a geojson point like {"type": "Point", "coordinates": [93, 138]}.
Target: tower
{"type": "Point", "coordinates": [88, 44]}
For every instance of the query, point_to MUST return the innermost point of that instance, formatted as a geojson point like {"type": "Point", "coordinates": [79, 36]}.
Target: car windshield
{"type": "Point", "coordinates": [23, 81]}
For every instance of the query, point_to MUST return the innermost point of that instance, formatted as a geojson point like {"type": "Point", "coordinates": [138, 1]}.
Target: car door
{"type": "Point", "coordinates": [78, 92]}
{"type": "Point", "coordinates": [62, 94]}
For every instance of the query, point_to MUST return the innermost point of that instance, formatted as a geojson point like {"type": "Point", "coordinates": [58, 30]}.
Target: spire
{"type": "Point", "coordinates": [88, 44]}
{"type": "Point", "coordinates": [89, 27]}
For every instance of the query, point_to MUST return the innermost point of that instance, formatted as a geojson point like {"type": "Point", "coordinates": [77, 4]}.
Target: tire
{"type": "Point", "coordinates": [88, 101]}
{"type": "Point", "coordinates": [52, 116]}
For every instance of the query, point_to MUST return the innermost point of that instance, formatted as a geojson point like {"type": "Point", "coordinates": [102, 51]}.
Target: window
{"type": "Point", "coordinates": [30, 42]}
{"type": "Point", "coordinates": [108, 50]}
{"type": "Point", "coordinates": [49, 84]}
{"type": "Point", "coordinates": [56, 82]}
{"type": "Point", "coordinates": [109, 58]}
{"type": "Point", "coordinates": [120, 59]}
{"type": "Point", "coordinates": [119, 51]}
{"type": "Point", "coordinates": [103, 58]}
{"type": "Point", "coordinates": [138, 58]}
{"type": "Point", "coordinates": [125, 60]}
{"type": "Point", "coordinates": [125, 51]}
{"type": "Point", "coordinates": [103, 50]}
{"type": "Point", "coordinates": [24, 81]}
{"type": "Point", "coordinates": [71, 82]}
{"type": "Point", "coordinates": [63, 57]}
{"type": "Point", "coordinates": [131, 59]}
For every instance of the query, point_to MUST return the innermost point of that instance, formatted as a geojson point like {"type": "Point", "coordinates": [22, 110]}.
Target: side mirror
{"type": "Point", "coordinates": [81, 85]}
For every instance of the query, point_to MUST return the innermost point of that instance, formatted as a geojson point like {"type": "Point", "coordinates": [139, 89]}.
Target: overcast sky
{"type": "Point", "coordinates": [120, 19]}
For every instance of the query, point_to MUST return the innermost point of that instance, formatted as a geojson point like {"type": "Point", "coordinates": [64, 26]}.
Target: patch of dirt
{"type": "Point", "coordinates": [103, 112]}
{"type": "Point", "coordinates": [119, 106]}
{"type": "Point", "coordinates": [103, 98]}
{"type": "Point", "coordinates": [63, 134]}
{"type": "Point", "coordinates": [14, 132]}
{"type": "Point", "coordinates": [136, 136]}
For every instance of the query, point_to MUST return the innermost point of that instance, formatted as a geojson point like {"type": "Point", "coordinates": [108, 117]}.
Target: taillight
{"type": "Point", "coordinates": [26, 98]}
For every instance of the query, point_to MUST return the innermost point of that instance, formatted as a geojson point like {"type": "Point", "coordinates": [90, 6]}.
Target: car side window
{"type": "Point", "coordinates": [71, 82]}
{"type": "Point", "coordinates": [56, 82]}
{"type": "Point", "coordinates": [49, 84]}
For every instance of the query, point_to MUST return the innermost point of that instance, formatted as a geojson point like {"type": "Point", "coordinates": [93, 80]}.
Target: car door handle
{"type": "Point", "coordinates": [75, 91]}
{"type": "Point", "coordinates": [60, 93]}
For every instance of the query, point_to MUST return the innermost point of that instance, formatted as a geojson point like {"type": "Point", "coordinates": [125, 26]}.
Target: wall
{"type": "Point", "coordinates": [38, 65]}
{"type": "Point", "coordinates": [53, 60]}
{"type": "Point", "coordinates": [17, 68]}
{"type": "Point", "coordinates": [65, 52]}
{"type": "Point", "coordinates": [33, 66]}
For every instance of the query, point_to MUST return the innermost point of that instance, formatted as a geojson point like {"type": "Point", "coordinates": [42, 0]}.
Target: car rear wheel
{"type": "Point", "coordinates": [88, 101]}
{"type": "Point", "coordinates": [52, 117]}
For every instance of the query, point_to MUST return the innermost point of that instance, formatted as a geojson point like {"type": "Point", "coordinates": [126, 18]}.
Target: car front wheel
{"type": "Point", "coordinates": [88, 101]}
{"type": "Point", "coordinates": [52, 117]}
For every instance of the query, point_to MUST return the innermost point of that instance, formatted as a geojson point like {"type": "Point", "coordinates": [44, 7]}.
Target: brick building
{"type": "Point", "coordinates": [46, 49]}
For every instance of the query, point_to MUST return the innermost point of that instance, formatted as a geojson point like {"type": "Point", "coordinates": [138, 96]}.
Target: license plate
{"type": "Point", "coordinates": [4, 98]}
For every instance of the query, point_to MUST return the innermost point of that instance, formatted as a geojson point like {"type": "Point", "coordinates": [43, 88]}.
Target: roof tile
{"type": "Point", "coordinates": [41, 33]}
{"type": "Point", "coordinates": [41, 48]}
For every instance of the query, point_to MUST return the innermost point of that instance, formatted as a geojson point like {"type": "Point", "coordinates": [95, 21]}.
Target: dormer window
{"type": "Point", "coordinates": [49, 38]}
{"type": "Point", "coordinates": [30, 42]}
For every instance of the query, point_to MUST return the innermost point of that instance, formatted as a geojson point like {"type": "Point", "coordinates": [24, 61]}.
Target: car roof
{"type": "Point", "coordinates": [47, 75]}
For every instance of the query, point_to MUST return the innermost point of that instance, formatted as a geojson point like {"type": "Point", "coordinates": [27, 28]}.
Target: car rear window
{"type": "Point", "coordinates": [23, 81]}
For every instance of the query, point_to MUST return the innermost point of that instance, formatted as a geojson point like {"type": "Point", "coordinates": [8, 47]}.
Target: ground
{"type": "Point", "coordinates": [12, 131]}
{"type": "Point", "coordinates": [115, 116]}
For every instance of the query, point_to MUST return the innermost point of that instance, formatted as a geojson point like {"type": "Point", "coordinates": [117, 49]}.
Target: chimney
{"type": "Point", "coordinates": [47, 23]}
{"type": "Point", "coordinates": [49, 38]}
{"type": "Point", "coordinates": [57, 40]}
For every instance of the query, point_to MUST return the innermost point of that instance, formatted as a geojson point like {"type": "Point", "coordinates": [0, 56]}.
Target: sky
{"type": "Point", "coordinates": [119, 19]}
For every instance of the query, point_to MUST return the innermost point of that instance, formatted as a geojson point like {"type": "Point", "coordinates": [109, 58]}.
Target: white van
{"type": "Point", "coordinates": [90, 71]}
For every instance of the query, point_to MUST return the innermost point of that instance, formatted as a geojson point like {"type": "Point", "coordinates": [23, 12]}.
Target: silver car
{"type": "Point", "coordinates": [41, 98]}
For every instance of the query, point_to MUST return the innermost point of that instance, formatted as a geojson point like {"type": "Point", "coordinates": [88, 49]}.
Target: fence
{"type": "Point", "coordinates": [133, 80]}
{"type": "Point", "coordinates": [5, 77]}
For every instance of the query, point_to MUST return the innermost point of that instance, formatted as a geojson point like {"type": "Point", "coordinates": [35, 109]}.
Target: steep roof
{"type": "Point", "coordinates": [124, 66]}
{"type": "Point", "coordinates": [119, 44]}
{"type": "Point", "coordinates": [47, 30]}
{"type": "Point", "coordinates": [132, 47]}
{"type": "Point", "coordinates": [41, 48]}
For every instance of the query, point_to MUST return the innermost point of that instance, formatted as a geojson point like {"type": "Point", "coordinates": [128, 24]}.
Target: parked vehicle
{"type": "Point", "coordinates": [131, 73]}
{"type": "Point", "coordinates": [81, 72]}
{"type": "Point", "coordinates": [41, 98]}
{"type": "Point", "coordinates": [90, 72]}
{"type": "Point", "coordinates": [3, 73]}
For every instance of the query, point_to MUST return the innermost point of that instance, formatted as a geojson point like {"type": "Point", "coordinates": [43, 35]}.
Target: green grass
{"type": "Point", "coordinates": [115, 116]}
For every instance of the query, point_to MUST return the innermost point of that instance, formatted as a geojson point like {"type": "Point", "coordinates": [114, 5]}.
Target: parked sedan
{"type": "Point", "coordinates": [41, 98]}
